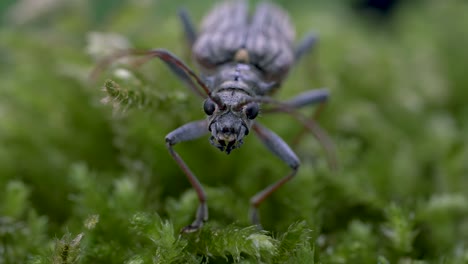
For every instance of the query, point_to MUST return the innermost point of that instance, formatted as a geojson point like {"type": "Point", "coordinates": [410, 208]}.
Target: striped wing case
{"type": "Point", "coordinates": [264, 39]}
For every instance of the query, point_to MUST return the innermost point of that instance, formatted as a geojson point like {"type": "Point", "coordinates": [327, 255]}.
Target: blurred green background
{"type": "Point", "coordinates": [87, 182]}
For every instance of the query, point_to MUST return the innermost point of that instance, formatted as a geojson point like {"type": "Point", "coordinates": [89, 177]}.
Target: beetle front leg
{"type": "Point", "coordinates": [189, 132]}
{"type": "Point", "coordinates": [278, 147]}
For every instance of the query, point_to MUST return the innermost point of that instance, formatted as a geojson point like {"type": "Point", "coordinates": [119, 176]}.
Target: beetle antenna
{"type": "Point", "coordinates": [177, 66]}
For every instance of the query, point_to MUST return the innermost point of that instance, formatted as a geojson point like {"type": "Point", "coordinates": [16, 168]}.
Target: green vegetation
{"type": "Point", "coordinates": [85, 176]}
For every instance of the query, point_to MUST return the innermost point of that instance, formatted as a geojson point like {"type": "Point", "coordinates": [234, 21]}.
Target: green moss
{"type": "Point", "coordinates": [85, 176]}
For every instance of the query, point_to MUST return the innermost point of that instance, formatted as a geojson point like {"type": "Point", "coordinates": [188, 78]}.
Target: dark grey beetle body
{"type": "Point", "coordinates": [243, 59]}
{"type": "Point", "coordinates": [241, 56]}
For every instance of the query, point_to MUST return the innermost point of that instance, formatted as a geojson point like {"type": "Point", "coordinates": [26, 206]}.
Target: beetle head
{"type": "Point", "coordinates": [229, 119]}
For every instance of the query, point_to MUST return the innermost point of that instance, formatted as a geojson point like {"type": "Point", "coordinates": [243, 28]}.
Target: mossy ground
{"type": "Point", "coordinates": [87, 182]}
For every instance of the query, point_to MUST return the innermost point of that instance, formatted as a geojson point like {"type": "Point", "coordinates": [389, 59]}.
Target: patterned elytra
{"type": "Point", "coordinates": [264, 39]}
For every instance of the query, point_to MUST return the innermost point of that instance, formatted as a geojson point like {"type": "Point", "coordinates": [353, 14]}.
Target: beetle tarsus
{"type": "Point", "coordinates": [200, 219]}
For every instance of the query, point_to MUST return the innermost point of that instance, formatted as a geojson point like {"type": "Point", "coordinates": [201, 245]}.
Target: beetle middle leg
{"type": "Point", "coordinates": [281, 149]}
{"type": "Point", "coordinates": [308, 98]}
{"type": "Point", "coordinates": [311, 97]}
{"type": "Point", "coordinates": [187, 132]}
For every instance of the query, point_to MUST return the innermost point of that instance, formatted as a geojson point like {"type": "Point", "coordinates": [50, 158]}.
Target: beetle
{"type": "Point", "coordinates": [243, 59]}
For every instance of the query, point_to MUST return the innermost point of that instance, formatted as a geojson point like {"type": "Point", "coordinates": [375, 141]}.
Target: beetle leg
{"type": "Point", "coordinates": [281, 149]}
{"type": "Point", "coordinates": [310, 97]}
{"type": "Point", "coordinates": [305, 46]}
{"type": "Point", "coordinates": [189, 27]}
{"type": "Point", "coordinates": [307, 98]}
{"type": "Point", "coordinates": [187, 132]}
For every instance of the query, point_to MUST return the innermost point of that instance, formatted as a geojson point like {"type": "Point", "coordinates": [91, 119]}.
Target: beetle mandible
{"type": "Point", "coordinates": [243, 59]}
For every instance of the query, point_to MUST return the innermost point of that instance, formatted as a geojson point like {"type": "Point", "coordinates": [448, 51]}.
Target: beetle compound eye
{"type": "Point", "coordinates": [251, 110]}
{"type": "Point", "coordinates": [209, 106]}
